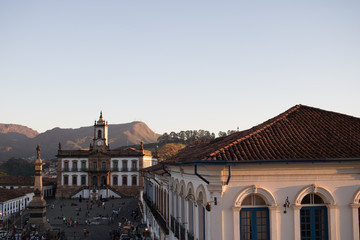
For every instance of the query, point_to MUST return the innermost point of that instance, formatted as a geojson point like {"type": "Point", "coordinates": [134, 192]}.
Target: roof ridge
{"type": "Point", "coordinates": [275, 120]}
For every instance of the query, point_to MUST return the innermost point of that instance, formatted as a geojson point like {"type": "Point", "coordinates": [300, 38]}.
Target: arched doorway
{"type": "Point", "coordinates": [315, 214]}
{"type": "Point", "coordinates": [254, 219]}
{"type": "Point", "coordinates": [313, 218]}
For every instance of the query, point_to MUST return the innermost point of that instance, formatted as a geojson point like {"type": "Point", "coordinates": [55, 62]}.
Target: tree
{"type": "Point", "coordinates": [169, 150]}
{"type": "Point", "coordinates": [222, 134]}
{"type": "Point", "coordinates": [18, 167]}
{"type": "Point", "coordinates": [229, 132]}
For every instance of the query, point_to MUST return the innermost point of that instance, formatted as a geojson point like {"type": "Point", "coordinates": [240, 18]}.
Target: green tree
{"type": "Point", "coordinates": [17, 167]}
{"type": "Point", "coordinates": [169, 150]}
{"type": "Point", "coordinates": [222, 134]}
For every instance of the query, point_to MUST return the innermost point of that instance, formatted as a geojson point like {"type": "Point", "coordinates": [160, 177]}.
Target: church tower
{"type": "Point", "coordinates": [101, 133]}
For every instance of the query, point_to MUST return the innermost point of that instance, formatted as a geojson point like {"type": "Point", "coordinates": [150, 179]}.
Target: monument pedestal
{"type": "Point", "coordinates": [37, 211]}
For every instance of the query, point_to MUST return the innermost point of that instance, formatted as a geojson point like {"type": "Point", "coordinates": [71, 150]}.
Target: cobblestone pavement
{"type": "Point", "coordinates": [100, 224]}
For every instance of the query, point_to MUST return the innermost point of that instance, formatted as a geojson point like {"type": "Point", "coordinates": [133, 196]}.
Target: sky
{"type": "Point", "coordinates": [176, 65]}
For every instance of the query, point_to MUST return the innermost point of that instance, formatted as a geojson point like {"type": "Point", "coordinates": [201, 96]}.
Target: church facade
{"type": "Point", "coordinates": [100, 172]}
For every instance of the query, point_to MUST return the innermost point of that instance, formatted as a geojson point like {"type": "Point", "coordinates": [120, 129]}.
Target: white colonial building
{"type": "Point", "coordinates": [13, 201]}
{"type": "Point", "coordinates": [100, 171]}
{"type": "Point", "coordinates": [296, 176]}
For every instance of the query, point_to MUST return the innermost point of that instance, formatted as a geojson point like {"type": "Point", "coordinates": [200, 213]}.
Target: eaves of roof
{"type": "Point", "coordinates": [261, 162]}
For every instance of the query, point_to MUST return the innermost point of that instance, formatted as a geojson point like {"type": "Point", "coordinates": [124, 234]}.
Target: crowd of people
{"type": "Point", "coordinates": [72, 216]}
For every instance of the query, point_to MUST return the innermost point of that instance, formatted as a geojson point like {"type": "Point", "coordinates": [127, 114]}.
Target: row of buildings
{"type": "Point", "coordinates": [16, 192]}
{"type": "Point", "coordinates": [95, 173]}
{"type": "Point", "coordinates": [295, 176]}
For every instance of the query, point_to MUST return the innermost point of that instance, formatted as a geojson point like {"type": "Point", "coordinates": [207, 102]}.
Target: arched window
{"type": "Point", "coordinates": [99, 134]}
{"type": "Point", "coordinates": [254, 218]}
{"type": "Point", "coordinates": [313, 218]}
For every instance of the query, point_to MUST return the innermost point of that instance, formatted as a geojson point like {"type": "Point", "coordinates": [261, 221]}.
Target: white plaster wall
{"type": "Point", "coordinates": [78, 160]}
{"type": "Point", "coordinates": [342, 186]}
{"type": "Point", "coordinates": [129, 162]}
{"type": "Point", "coordinates": [71, 174]}
{"type": "Point", "coordinates": [121, 174]}
{"type": "Point", "coordinates": [341, 180]}
{"type": "Point", "coordinates": [148, 161]}
{"type": "Point", "coordinates": [16, 206]}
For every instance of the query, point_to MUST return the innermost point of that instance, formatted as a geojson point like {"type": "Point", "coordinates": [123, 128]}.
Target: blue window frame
{"type": "Point", "coordinates": [254, 224]}
{"type": "Point", "coordinates": [314, 223]}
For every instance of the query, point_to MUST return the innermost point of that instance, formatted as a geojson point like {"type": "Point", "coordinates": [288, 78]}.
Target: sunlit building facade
{"type": "Point", "coordinates": [295, 176]}
{"type": "Point", "coordinates": [100, 172]}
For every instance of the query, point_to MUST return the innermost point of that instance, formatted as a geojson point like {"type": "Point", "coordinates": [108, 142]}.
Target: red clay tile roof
{"type": "Point", "coordinates": [23, 181]}
{"type": "Point", "coordinates": [126, 152]}
{"type": "Point", "coordinates": [7, 194]}
{"type": "Point", "coordinates": [301, 132]}
{"type": "Point", "coordinates": [16, 181]}
{"type": "Point", "coordinates": [156, 169]}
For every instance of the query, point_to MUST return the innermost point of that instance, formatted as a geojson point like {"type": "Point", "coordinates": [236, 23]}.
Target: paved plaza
{"type": "Point", "coordinates": [99, 218]}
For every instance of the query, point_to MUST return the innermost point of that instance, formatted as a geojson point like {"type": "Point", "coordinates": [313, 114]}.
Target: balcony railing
{"type": "Point", "coordinates": [66, 169]}
{"type": "Point", "coordinates": [158, 217]}
{"type": "Point", "coordinates": [190, 236]}
{"type": "Point", "coordinates": [182, 232]}
{"type": "Point", "coordinates": [74, 169]}
{"type": "Point", "coordinates": [172, 225]}
{"type": "Point", "coordinates": [124, 169]}
{"type": "Point", "coordinates": [115, 169]}
{"type": "Point", "coordinates": [177, 232]}
{"type": "Point", "coordinates": [83, 169]}
{"type": "Point", "coordinates": [98, 169]}
{"type": "Point", "coordinates": [134, 169]}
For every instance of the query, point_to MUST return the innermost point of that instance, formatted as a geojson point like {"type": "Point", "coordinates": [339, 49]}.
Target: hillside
{"type": "Point", "coordinates": [15, 128]}
{"type": "Point", "coordinates": [15, 144]}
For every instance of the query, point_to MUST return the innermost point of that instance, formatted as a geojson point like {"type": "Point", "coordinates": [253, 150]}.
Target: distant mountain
{"type": "Point", "coordinates": [15, 128]}
{"type": "Point", "coordinates": [20, 141]}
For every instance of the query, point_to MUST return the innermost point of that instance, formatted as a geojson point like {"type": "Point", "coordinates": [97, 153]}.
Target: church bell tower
{"type": "Point", "coordinates": [101, 133]}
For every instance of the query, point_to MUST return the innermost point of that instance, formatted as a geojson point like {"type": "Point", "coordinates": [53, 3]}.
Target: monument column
{"type": "Point", "coordinates": [37, 207]}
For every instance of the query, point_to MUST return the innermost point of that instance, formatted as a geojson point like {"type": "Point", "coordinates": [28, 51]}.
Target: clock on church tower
{"type": "Point", "coordinates": [101, 133]}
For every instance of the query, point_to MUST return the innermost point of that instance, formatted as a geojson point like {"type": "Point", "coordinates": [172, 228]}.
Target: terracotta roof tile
{"type": "Point", "coordinates": [132, 152]}
{"type": "Point", "coordinates": [7, 194]}
{"type": "Point", "coordinates": [16, 181]}
{"type": "Point", "coordinates": [301, 132]}
{"type": "Point", "coordinates": [156, 169]}
{"type": "Point", "coordinates": [23, 181]}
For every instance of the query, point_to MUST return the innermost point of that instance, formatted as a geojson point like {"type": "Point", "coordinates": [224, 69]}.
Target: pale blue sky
{"type": "Point", "coordinates": [176, 65]}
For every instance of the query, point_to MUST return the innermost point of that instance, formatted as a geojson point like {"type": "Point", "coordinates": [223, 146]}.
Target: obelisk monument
{"type": "Point", "coordinates": [37, 207]}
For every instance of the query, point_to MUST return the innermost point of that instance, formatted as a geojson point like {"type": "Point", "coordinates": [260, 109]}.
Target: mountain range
{"type": "Point", "coordinates": [20, 141]}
